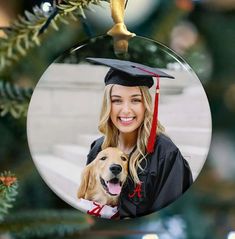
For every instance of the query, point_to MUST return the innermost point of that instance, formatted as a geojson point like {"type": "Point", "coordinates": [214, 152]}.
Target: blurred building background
{"type": "Point", "coordinates": [203, 33]}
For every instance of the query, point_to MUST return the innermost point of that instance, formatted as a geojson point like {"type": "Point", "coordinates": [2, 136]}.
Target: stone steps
{"type": "Point", "coordinates": [199, 137]}
{"type": "Point", "coordinates": [75, 154]}
{"type": "Point", "coordinates": [87, 139]}
{"type": "Point", "coordinates": [63, 177]}
{"type": "Point", "coordinates": [62, 170]}
{"type": "Point", "coordinates": [195, 156]}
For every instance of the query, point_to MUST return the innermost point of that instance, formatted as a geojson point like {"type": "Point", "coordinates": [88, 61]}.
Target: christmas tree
{"type": "Point", "coordinates": [206, 210]}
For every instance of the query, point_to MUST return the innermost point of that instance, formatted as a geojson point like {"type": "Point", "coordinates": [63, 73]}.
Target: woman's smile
{"type": "Point", "coordinates": [126, 120]}
{"type": "Point", "coordinates": [127, 108]}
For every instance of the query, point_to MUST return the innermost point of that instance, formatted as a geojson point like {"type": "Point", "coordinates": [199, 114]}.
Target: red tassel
{"type": "Point", "coordinates": [153, 132]}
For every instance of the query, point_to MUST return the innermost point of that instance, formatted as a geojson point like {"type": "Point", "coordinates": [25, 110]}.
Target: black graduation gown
{"type": "Point", "coordinates": [166, 176]}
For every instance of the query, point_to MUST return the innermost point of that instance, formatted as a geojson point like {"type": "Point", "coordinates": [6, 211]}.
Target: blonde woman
{"type": "Point", "coordinates": [158, 173]}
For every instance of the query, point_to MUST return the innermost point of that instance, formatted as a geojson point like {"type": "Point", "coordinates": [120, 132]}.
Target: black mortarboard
{"type": "Point", "coordinates": [129, 73]}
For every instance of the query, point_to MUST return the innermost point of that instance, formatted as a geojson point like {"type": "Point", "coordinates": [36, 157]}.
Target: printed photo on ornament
{"type": "Point", "coordinates": [119, 137]}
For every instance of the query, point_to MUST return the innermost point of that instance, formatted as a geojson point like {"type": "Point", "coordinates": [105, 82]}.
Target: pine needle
{"type": "Point", "coordinates": [8, 192]}
{"type": "Point", "coordinates": [45, 223]}
{"type": "Point", "coordinates": [25, 30]}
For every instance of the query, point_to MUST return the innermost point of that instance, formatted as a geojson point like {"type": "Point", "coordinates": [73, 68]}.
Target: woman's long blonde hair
{"type": "Point", "coordinates": [110, 132]}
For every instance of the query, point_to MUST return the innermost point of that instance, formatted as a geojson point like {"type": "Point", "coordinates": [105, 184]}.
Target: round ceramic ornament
{"type": "Point", "coordinates": [119, 136]}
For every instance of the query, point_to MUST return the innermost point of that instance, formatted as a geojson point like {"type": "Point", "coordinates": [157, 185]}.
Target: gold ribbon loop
{"type": "Point", "coordinates": [119, 31]}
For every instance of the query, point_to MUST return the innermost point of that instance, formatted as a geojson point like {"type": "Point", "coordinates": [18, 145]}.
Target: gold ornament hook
{"type": "Point", "coordinates": [119, 31]}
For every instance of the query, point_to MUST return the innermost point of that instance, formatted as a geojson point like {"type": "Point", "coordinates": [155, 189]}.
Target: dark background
{"type": "Point", "coordinates": [203, 32]}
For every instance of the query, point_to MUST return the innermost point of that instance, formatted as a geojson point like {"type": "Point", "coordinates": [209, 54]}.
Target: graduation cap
{"type": "Point", "coordinates": [129, 73]}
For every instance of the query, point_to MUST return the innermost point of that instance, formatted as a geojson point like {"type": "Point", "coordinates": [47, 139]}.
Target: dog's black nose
{"type": "Point", "coordinates": [115, 169]}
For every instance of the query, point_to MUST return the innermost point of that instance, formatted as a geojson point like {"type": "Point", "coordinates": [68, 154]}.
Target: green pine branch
{"type": "Point", "coordinates": [45, 223]}
{"type": "Point", "coordinates": [14, 92]}
{"type": "Point", "coordinates": [21, 36]}
{"type": "Point", "coordinates": [14, 108]}
{"type": "Point", "coordinates": [14, 100]}
{"type": "Point", "coordinates": [25, 31]}
{"type": "Point", "coordinates": [8, 192]}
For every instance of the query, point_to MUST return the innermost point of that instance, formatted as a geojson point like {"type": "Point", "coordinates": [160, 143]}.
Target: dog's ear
{"type": "Point", "coordinates": [86, 180]}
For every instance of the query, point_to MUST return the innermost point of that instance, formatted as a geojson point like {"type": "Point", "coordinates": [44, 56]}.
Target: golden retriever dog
{"type": "Point", "coordinates": [103, 178]}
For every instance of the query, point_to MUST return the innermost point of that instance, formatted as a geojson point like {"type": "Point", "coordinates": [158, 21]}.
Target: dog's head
{"type": "Point", "coordinates": [107, 172]}
{"type": "Point", "coordinates": [111, 170]}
